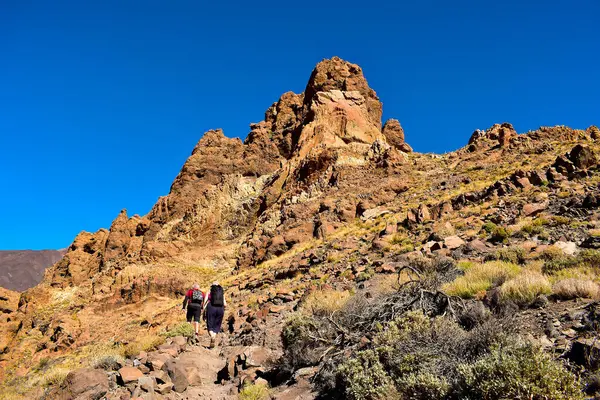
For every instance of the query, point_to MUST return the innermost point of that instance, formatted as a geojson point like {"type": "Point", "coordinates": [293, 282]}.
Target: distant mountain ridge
{"type": "Point", "coordinates": [23, 269]}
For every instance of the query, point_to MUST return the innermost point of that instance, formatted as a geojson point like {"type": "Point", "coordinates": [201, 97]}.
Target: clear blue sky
{"type": "Point", "coordinates": [101, 102]}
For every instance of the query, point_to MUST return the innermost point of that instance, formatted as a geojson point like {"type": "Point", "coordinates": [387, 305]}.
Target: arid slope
{"type": "Point", "coordinates": [321, 197]}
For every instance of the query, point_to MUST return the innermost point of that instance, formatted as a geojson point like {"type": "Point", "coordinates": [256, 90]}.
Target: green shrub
{"type": "Point", "coordinates": [532, 229]}
{"type": "Point", "coordinates": [42, 364]}
{"type": "Point", "coordinates": [544, 235]}
{"type": "Point", "coordinates": [254, 392]}
{"type": "Point", "coordinates": [423, 386]}
{"type": "Point", "coordinates": [489, 227]}
{"type": "Point", "coordinates": [560, 220]}
{"type": "Point", "coordinates": [513, 254]}
{"type": "Point", "coordinates": [517, 372]}
{"type": "Point", "coordinates": [363, 377]}
{"type": "Point", "coordinates": [589, 258]}
{"type": "Point", "coordinates": [586, 258]}
{"type": "Point", "coordinates": [406, 249]}
{"type": "Point", "coordinates": [499, 235]}
{"type": "Point", "coordinates": [365, 275]}
{"type": "Point", "coordinates": [551, 253]}
{"type": "Point", "coordinates": [183, 329]}
{"type": "Point", "coordinates": [559, 263]}
{"type": "Point", "coordinates": [109, 362]}
{"type": "Point", "coordinates": [300, 348]}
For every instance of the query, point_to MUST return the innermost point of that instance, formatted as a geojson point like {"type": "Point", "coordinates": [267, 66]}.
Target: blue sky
{"type": "Point", "coordinates": [101, 102]}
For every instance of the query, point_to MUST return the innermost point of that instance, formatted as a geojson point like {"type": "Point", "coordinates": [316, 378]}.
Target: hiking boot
{"type": "Point", "coordinates": [212, 343]}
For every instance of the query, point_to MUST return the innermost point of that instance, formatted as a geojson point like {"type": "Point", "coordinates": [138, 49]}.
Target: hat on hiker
{"type": "Point", "coordinates": [215, 283]}
{"type": "Point", "coordinates": [196, 286]}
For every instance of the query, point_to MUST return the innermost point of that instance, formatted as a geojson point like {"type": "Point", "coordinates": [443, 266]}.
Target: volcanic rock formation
{"type": "Point", "coordinates": [226, 186]}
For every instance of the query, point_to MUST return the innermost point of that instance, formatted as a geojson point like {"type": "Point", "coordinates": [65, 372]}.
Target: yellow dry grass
{"type": "Point", "coordinates": [479, 278]}
{"type": "Point", "coordinates": [525, 287]}
{"type": "Point", "coordinates": [325, 302]}
{"type": "Point", "coordinates": [573, 288]}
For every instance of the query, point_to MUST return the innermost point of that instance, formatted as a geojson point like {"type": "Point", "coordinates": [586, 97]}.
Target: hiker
{"type": "Point", "coordinates": [214, 310]}
{"type": "Point", "coordinates": [194, 299]}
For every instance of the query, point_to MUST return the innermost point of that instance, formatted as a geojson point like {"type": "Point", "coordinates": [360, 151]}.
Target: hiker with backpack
{"type": "Point", "coordinates": [214, 310]}
{"type": "Point", "coordinates": [194, 299]}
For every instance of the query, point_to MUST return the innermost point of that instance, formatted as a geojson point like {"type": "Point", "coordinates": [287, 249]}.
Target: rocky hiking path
{"type": "Point", "coordinates": [179, 369]}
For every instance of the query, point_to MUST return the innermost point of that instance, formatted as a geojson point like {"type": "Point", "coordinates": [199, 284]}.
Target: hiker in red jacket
{"type": "Point", "coordinates": [194, 299]}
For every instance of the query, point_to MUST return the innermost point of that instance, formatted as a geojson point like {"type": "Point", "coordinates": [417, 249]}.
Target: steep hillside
{"type": "Point", "coordinates": [338, 247]}
{"type": "Point", "coordinates": [23, 269]}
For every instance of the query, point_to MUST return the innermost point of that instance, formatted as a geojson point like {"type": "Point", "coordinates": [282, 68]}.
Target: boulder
{"type": "Point", "coordinates": [157, 360]}
{"type": "Point", "coordinates": [170, 349]}
{"type": "Point", "coordinates": [84, 384]}
{"type": "Point", "coordinates": [569, 248]}
{"type": "Point", "coordinates": [591, 242]}
{"type": "Point", "coordinates": [386, 268]}
{"type": "Point", "coordinates": [585, 352]}
{"type": "Point", "coordinates": [582, 156]}
{"type": "Point", "coordinates": [177, 374]}
{"type": "Point", "coordinates": [164, 388]}
{"type": "Point", "coordinates": [256, 356]}
{"type": "Point", "coordinates": [532, 209]}
{"type": "Point", "coordinates": [179, 341]}
{"type": "Point", "coordinates": [130, 374]}
{"type": "Point", "coordinates": [453, 242]}
{"type": "Point", "coordinates": [594, 132]}
{"type": "Point", "coordinates": [478, 246]}
{"type": "Point", "coordinates": [147, 383]}
{"type": "Point", "coordinates": [160, 376]}
{"type": "Point", "coordinates": [394, 135]}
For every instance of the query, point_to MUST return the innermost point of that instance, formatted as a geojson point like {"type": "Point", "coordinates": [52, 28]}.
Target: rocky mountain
{"type": "Point", "coordinates": [338, 247]}
{"type": "Point", "coordinates": [23, 269]}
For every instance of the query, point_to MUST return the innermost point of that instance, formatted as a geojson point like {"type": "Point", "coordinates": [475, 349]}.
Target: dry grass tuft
{"type": "Point", "coordinates": [144, 343]}
{"type": "Point", "coordinates": [524, 288]}
{"type": "Point", "coordinates": [573, 288]}
{"type": "Point", "coordinates": [479, 278]}
{"type": "Point", "coordinates": [325, 302]}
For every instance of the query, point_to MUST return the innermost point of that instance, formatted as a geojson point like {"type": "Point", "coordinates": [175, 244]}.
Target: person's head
{"type": "Point", "coordinates": [196, 286]}
{"type": "Point", "coordinates": [215, 283]}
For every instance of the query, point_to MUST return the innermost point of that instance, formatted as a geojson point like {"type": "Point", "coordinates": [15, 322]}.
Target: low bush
{"type": "Point", "coordinates": [517, 372]}
{"type": "Point", "coordinates": [586, 258]}
{"type": "Point", "coordinates": [301, 349]}
{"type": "Point", "coordinates": [559, 263]}
{"type": "Point", "coordinates": [423, 386]}
{"type": "Point", "coordinates": [363, 377]}
{"type": "Point", "coordinates": [551, 253]}
{"type": "Point", "coordinates": [499, 235]}
{"type": "Point", "coordinates": [573, 288]}
{"type": "Point", "coordinates": [525, 287]}
{"type": "Point", "coordinates": [144, 343]}
{"type": "Point", "coordinates": [183, 329]}
{"type": "Point", "coordinates": [512, 254]}
{"type": "Point", "coordinates": [54, 377]}
{"type": "Point", "coordinates": [560, 220]}
{"type": "Point", "coordinates": [489, 227]}
{"type": "Point", "coordinates": [254, 392]}
{"type": "Point", "coordinates": [536, 227]}
{"type": "Point", "coordinates": [365, 275]}
{"type": "Point", "coordinates": [109, 362]}
{"type": "Point", "coordinates": [415, 357]}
